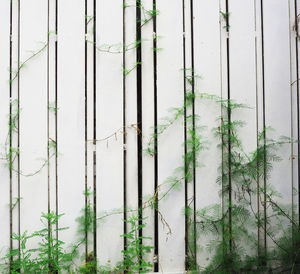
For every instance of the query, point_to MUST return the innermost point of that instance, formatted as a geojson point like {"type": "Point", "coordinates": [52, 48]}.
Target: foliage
{"type": "Point", "coordinates": [232, 225]}
{"type": "Point", "coordinates": [50, 254]}
{"type": "Point", "coordinates": [135, 250]}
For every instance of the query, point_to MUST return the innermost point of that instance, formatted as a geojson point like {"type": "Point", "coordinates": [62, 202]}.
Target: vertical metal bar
{"type": "Point", "coordinates": [156, 240]}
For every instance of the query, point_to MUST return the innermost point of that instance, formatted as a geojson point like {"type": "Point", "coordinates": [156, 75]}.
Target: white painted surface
{"type": "Point", "coordinates": [207, 59]}
{"type": "Point", "coordinates": [242, 68]}
{"type": "Point", "coordinates": [71, 134]}
{"type": "Point", "coordinates": [109, 117]}
{"type": "Point", "coordinates": [243, 83]}
{"type": "Point", "coordinates": [246, 86]}
{"type": "Point", "coordinates": [52, 111]}
{"type": "Point", "coordinates": [170, 94]}
{"type": "Point", "coordinates": [90, 147]}
{"type": "Point", "coordinates": [294, 88]}
{"type": "Point", "coordinates": [33, 116]}
{"type": "Point", "coordinates": [131, 110]}
{"type": "Point", "coordinates": [4, 120]}
{"type": "Point", "coordinates": [277, 88]}
{"type": "Point", "coordinates": [278, 93]}
{"type": "Point", "coordinates": [260, 98]}
{"type": "Point", "coordinates": [15, 137]}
